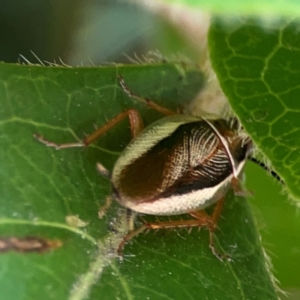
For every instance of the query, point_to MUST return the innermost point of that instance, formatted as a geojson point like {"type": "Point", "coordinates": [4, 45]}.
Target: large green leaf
{"type": "Point", "coordinates": [259, 70]}
{"type": "Point", "coordinates": [260, 7]}
{"type": "Point", "coordinates": [40, 187]}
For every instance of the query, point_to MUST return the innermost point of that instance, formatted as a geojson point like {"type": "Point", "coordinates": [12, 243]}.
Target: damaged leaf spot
{"type": "Point", "coordinates": [28, 244]}
{"type": "Point", "coordinates": [75, 221]}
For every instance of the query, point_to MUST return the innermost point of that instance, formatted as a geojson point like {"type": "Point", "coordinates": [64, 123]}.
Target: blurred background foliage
{"type": "Point", "coordinates": [97, 32]}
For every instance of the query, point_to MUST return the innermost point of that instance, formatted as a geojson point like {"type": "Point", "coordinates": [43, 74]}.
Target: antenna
{"type": "Point", "coordinates": [261, 164]}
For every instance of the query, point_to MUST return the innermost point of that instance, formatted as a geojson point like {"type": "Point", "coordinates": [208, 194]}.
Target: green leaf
{"type": "Point", "coordinates": [259, 7]}
{"type": "Point", "coordinates": [258, 68]}
{"type": "Point", "coordinates": [40, 187]}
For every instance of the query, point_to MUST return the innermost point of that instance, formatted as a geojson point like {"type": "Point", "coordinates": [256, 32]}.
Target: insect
{"type": "Point", "coordinates": [180, 164]}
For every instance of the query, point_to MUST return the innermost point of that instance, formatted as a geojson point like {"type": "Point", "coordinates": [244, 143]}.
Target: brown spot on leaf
{"type": "Point", "coordinates": [28, 244]}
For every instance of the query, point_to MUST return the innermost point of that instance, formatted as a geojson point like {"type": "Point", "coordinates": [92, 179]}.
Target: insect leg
{"type": "Point", "coordinates": [157, 226]}
{"type": "Point", "coordinates": [103, 209]}
{"type": "Point", "coordinates": [202, 219]}
{"type": "Point", "coordinates": [146, 101]}
{"type": "Point", "coordinates": [211, 224]}
{"type": "Point", "coordinates": [239, 189]}
{"type": "Point", "coordinates": [136, 125]}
